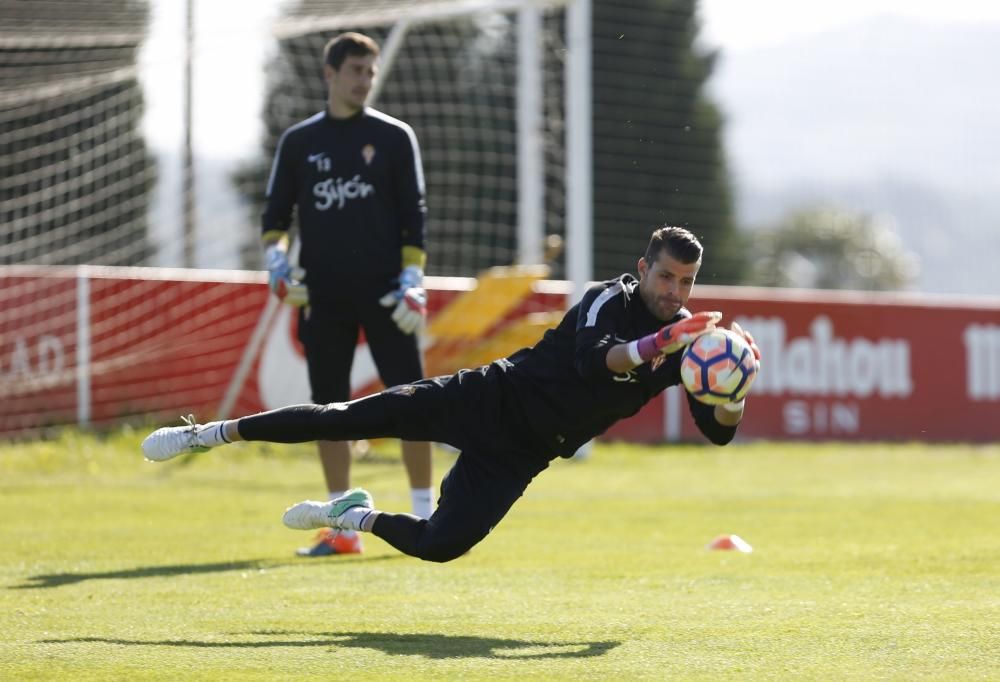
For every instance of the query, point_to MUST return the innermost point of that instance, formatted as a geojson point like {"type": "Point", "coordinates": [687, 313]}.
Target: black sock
{"type": "Point", "coordinates": [402, 531]}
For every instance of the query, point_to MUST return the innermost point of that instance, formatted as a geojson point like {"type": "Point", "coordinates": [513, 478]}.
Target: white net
{"type": "Point", "coordinates": [455, 80]}
{"type": "Point", "coordinates": [74, 171]}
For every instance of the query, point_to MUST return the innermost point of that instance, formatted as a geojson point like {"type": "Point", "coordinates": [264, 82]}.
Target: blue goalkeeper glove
{"type": "Point", "coordinates": [282, 281]}
{"type": "Point", "coordinates": [409, 299]}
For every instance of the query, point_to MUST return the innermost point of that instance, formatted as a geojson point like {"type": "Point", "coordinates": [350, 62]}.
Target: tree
{"type": "Point", "coordinates": [828, 248]}
{"type": "Point", "coordinates": [658, 154]}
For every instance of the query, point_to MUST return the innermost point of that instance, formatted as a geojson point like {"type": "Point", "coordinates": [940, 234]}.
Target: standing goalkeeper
{"type": "Point", "coordinates": [612, 353]}
{"type": "Point", "coordinates": [354, 176]}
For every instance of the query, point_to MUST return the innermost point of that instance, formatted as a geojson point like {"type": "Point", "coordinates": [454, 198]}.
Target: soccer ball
{"type": "Point", "coordinates": [718, 367]}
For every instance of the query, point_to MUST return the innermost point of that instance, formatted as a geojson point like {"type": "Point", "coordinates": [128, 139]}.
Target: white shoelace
{"type": "Point", "coordinates": [195, 435]}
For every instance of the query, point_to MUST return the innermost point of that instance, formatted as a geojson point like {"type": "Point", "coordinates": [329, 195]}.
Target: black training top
{"type": "Point", "coordinates": [358, 185]}
{"type": "Point", "coordinates": [564, 388]}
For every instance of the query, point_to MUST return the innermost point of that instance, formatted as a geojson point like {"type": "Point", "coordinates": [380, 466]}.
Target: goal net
{"type": "Point", "coordinates": [74, 168]}
{"type": "Point", "coordinates": [482, 85]}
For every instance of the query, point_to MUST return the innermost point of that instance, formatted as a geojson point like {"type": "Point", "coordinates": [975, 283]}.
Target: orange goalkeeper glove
{"type": "Point", "coordinates": [674, 336]}
{"type": "Point", "coordinates": [737, 329]}
{"type": "Point", "coordinates": [739, 405]}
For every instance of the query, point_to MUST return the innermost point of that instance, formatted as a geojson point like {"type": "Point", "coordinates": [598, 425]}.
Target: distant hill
{"type": "Point", "coordinates": [889, 116]}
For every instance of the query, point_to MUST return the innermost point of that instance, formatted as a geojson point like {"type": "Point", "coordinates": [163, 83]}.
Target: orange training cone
{"type": "Point", "coordinates": [731, 542]}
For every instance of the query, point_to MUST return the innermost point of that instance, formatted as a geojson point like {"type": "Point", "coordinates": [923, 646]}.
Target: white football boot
{"type": "Point", "coordinates": [312, 514]}
{"type": "Point", "coordinates": [168, 442]}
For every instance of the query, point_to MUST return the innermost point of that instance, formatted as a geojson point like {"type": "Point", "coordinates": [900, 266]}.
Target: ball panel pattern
{"type": "Point", "coordinates": [718, 367]}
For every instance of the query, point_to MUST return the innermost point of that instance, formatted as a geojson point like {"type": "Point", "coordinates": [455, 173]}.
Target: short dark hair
{"type": "Point", "coordinates": [678, 242]}
{"type": "Point", "coordinates": [350, 43]}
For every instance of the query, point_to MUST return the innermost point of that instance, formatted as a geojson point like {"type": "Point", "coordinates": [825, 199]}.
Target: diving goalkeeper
{"type": "Point", "coordinates": [611, 353]}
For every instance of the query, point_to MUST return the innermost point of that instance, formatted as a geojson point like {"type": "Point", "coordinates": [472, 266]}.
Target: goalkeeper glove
{"type": "Point", "coordinates": [410, 300]}
{"type": "Point", "coordinates": [737, 329]}
{"type": "Point", "coordinates": [672, 337]}
{"type": "Point", "coordinates": [282, 281]}
{"type": "Point", "coordinates": [748, 337]}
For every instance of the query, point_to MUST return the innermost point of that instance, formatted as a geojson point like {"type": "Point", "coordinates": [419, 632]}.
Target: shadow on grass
{"type": "Point", "coordinates": [434, 646]}
{"type": "Point", "coordinates": [46, 580]}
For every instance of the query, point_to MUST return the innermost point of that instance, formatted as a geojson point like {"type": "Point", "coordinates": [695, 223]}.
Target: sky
{"type": "Point", "coordinates": [229, 54]}
{"type": "Point", "coordinates": [231, 48]}
{"type": "Point", "coordinates": [736, 25]}
{"type": "Point", "coordinates": [228, 88]}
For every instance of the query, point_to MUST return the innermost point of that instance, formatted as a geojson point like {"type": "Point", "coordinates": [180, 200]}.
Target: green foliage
{"type": "Point", "coordinates": [870, 562]}
{"type": "Point", "coordinates": [658, 156]}
{"type": "Point", "coordinates": [827, 248]}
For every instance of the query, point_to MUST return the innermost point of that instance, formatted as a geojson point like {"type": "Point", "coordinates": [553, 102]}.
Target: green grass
{"type": "Point", "coordinates": [869, 562]}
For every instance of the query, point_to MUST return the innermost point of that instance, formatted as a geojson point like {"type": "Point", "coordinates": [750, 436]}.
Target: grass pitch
{"type": "Point", "coordinates": [869, 562]}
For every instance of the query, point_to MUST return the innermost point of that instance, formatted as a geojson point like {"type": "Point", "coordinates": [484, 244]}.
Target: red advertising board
{"type": "Point", "coordinates": [101, 345]}
{"type": "Point", "coordinates": [855, 366]}
{"type": "Point", "coordinates": [96, 345]}
{"type": "Point", "coordinates": [38, 344]}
